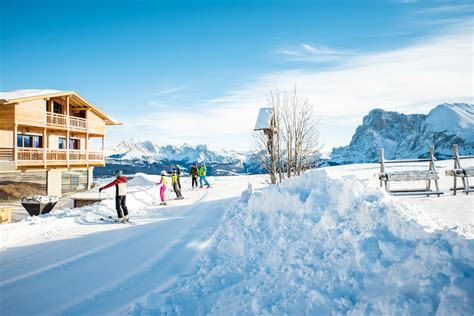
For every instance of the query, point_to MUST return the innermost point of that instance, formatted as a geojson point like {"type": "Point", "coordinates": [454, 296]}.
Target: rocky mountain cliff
{"type": "Point", "coordinates": [409, 136]}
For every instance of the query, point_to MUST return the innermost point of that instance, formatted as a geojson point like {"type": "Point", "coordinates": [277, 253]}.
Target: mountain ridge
{"type": "Point", "coordinates": [410, 135]}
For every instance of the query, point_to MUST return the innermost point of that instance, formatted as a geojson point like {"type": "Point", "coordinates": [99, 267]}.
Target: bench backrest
{"type": "Point", "coordinates": [431, 160]}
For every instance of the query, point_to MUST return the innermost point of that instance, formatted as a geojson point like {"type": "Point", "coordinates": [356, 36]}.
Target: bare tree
{"type": "Point", "coordinates": [295, 141]}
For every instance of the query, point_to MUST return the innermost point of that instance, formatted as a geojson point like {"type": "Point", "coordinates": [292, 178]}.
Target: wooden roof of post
{"type": "Point", "coordinates": [264, 119]}
{"type": "Point", "coordinates": [28, 95]}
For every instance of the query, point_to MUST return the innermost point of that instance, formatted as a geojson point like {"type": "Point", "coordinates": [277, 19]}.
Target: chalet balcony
{"type": "Point", "coordinates": [39, 156]}
{"type": "Point", "coordinates": [60, 120]}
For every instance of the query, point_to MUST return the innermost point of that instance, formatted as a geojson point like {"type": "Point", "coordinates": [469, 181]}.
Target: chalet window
{"type": "Point", "coordinates": [57, 108]}
{"type": "Point", "coordinates": [29, 141]}
{"type": "Point", "coordinates": [62, 143]}
{"type": "Point", "coordinates": [73, 143]}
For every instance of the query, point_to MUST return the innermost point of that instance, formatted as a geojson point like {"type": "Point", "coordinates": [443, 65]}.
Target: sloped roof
{"type": "Point", "coordinates": [34, 94]}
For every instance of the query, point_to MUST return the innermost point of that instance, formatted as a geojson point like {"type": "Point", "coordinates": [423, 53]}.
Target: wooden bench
{"type": "Point", "coordinates": [428, 175]}
{"type": "Point", "coordinates": [459, 172]}
{"type": "Point", "coordinates": [87, 198]}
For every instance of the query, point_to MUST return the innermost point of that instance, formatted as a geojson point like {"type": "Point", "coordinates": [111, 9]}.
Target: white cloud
{"type": "Point", "coordinates": [448, 8]}
{"type": "Point", "coordinates": [169, 91]}
{"type": "Point", "coordinates": [312, 53]}
{"type": "Point", "coordinates": [412, 79]}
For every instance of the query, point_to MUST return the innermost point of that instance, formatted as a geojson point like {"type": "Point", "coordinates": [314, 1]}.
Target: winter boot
{"type": "Point", "coordinates": [163, 203]}
{"type": "Point", "coordinates": [125, 218]}
{"type": "Point", "coordinates": [119, 220]}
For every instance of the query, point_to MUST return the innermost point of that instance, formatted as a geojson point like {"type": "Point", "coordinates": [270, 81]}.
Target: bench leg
{"type": "Point", "coordinates": [436, 186]}
{"type": "Point", "coordinates": [466, 184]}
{"type": "Point", "coordinates": [455, 185]}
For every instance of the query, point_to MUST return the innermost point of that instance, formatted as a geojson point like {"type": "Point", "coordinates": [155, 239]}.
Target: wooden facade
{"type": "Point", "coordinates": [50, 130]}
{"type": "Point", "coordinates": [50, 141]}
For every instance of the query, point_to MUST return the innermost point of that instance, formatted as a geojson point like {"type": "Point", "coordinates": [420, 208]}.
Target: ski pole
{"type": "Point", "coordinates": [154, 194]}
{"type": "Point", "coordinates": [97, 208]}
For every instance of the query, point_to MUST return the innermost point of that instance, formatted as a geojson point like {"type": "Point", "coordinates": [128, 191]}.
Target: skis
{"type": "Point", "coordinates": [112, 220]}
{"type": "Point", "coordinates": [159, 203]}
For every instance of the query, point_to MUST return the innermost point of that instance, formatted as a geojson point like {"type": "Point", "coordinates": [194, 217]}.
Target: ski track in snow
{"type": "Point", "coordinates": [120, 266]}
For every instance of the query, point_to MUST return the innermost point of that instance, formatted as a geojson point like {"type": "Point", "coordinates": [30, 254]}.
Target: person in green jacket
{"type": "Point", "coordinates": [202, 176]}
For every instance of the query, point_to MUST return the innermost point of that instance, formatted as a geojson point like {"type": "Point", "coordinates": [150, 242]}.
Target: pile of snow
{"type": "Point", "coordinates": [142, 179]}
{"type": "Point", "coordinates": [316, 245]}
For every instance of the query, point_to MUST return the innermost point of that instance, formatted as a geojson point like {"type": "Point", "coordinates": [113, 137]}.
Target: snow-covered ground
{"type": "Point", "coordinates": [328, 242]}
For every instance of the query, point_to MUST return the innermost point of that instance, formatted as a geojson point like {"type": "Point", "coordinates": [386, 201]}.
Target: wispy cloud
{"type": "Point", "coordinates": [411, 79]}
{"type": "Point", "coordinates": [169, 91]}
{"type": "Point", "coordinates": [313, 53]}
{"type": "Point", "coordinates": [448, 8]}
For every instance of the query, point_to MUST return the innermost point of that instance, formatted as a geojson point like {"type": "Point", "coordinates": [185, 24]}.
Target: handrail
{"type": "Point", "coordinates": [55, 119]}
{"type": "Point", "coordinates": [61, 120]}
{"type": "Point", "coordinates": [30, 154]}
{"type": "Point", "coordinates": [37, 154]}
{"type": "Point", "coordinates": [77, 122]}
{"type": "Point", "coordinates": [6, 154]}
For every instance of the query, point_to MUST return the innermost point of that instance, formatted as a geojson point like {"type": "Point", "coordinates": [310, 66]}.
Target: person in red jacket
{"type": "Point", "coordinates": [120, 196]}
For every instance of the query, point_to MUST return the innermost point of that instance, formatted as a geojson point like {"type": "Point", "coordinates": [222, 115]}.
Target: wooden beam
{"type": "Point", "coordinates": [45, 145]}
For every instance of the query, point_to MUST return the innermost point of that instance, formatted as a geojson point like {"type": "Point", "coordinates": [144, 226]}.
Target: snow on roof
{"type": "Point", "coordinates": [264, 119]}
{"type": "Point", "coordinates": [26, 93]}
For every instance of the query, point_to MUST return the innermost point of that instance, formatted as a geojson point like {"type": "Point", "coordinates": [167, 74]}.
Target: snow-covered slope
{"type": "Point", "coordinates": [328, 243]}
{"type": "Point", "coordinates": [409, 136]}
{"type": "Point", "coordinates": [144, 156]}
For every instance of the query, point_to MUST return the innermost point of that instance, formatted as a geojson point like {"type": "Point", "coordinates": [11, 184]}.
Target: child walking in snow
{"type": "Point", "coordinates": [194, 175]}
{"type": "Point", "coordinates": [202, 175]}
{"type": "Point", "coordinates": [175, 184]}
{"type": "Point", "coordinates": [178, 176]}
{"type": "Point", "coordinates": [164, 183]}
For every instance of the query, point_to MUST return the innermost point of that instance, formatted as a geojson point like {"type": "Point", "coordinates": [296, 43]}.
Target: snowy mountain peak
{"type": "Point", "coordinates": [409, 136]}
{"type": "Point", "coordinates": [144, 156]}
{"type": "Point", "coordinates": [456, 117]}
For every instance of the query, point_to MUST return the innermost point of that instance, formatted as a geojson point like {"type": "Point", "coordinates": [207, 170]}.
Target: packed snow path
{"type": "Point", "coordinates": [109, 270]}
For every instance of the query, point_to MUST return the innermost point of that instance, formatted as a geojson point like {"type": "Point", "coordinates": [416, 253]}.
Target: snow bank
{"type": "Point", "coordinates": [142, 179]}
{"type": "Point", "coordinates": [321, 245]}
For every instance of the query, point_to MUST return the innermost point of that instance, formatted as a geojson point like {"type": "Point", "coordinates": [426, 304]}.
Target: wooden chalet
{"type": "Point", "coordinates": [53, 134]}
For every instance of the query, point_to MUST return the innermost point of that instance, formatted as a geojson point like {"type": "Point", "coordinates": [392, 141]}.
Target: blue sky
{"type": "Point", "coordinates": [197, 71]}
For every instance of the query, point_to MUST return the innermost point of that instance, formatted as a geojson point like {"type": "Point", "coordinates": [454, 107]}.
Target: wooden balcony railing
{"type": "Point", "coordinates": [77, 122]}
{"type": "Point", "coordinates": [6, 154]}
{"type": "Point", "coordinates": [30, 154]}
{"type": "Point", "coordinates": [96, 155]}
{"type": "Point", "coordinates": [36, 155]}
{"type": "Point", "coordinates": [77, 155]}
{"type": "Point", "coordinates": [56, 119]}
{"type": "Point", "coordinates": [60, 120]}
{"type": "Point", "coordinates": [56, 155]}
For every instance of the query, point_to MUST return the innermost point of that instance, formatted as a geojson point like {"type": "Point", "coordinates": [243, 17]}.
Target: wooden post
{"type": "Point", "coordinates": [67, 133]}
{"type": "Point", "coordinates": [87, 149]}
{"type": "Point", "coordinates": [456, 166]}
{"type": "Point", "coordinates": [44, 147]}
{"type": "Point", "coordinates": [432, 162]}
{"type": "Point", "coordinates": [103, 148]}
{"type": "Point", "coordinates": [15, 150]}
{"type": "Point", "coordinates": [382, 163]}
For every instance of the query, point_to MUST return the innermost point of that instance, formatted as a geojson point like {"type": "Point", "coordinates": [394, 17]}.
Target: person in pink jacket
{"type": "Point", "coordinates": [164, 183]}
